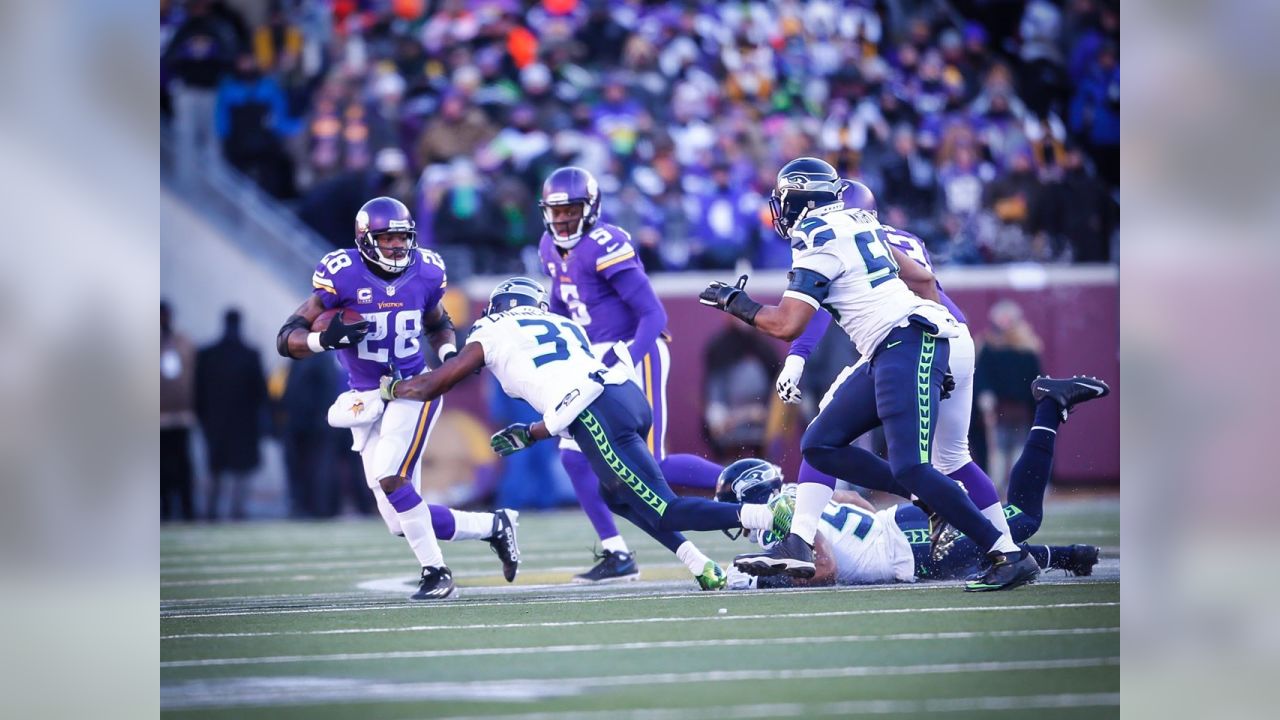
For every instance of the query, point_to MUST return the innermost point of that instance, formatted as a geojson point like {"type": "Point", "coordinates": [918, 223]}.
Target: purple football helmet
{"type": "Point", "coordinates": [386, 216]}
{"type": "Point", "coordinates": [856, 195]}
{"type": "Point", "coordinates": [565, 187]}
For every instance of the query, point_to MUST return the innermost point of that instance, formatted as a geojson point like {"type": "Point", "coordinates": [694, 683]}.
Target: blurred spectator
{"type": "Point", "coordinates": [458, 130]}
{"type": "Point", "coordinates": [1095, 113]}
{"type": "Point", "coordinates": [309, 442]}
{"type": "Point", "coordinates": [231, 395]}
{"type": "Point", "coordinates": [740, 366]}
{"type": "Point", "coordinates": [251, 118]}
{"type": "Point", "coordinates": [910, 183]}
{"type": "Point", "coordinates": [177, 417]}
{"type": "Point", "coordinates": [1007, 363]}
{"type": "Point", "coordinates": [650, 97]}
{"type": "Point", "coordinates": [199, 53]}
{"type": "Point", "coordinates": [277, 43]}
{"type": "Point", "coordinates": [725, 218]}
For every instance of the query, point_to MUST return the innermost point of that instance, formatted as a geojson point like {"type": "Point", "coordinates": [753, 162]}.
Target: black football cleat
{"type": "Point", "coordinates": [1069, 392]}
{"type": "Point", "coordinates": [1005, 571]}
{"type": "Point", "coordinates": [613, 567]}
{"type": "Point", "coordinates": [1082, 560]}
{"type": "Point", "coordinates": [502, 540]}
{"type": "Point", "coordinates": [790, 556]}
{"type": "Point", "coordinates": [436, 584]}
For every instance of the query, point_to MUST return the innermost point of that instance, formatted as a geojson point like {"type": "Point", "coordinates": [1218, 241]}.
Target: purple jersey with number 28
{"type": "Point", "coordinates": [913, 247]}
{"type": "Point", "coordinates": [580, 287]}
{"type": "Point", "coordinates": [393, 307]}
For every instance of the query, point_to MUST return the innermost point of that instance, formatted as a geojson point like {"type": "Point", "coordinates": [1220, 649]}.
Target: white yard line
{"type": "Point", "coordinates": [850, 708]}
{"type": "Point", "coordinates": [645, 620]}
{"type": "Point", "coordinates": [263, 605]}
{"type": "Point", "coordinates": [652, 645]}
{"type": "Point", "coordinates": [410, 572]}
{"type": "Point", "coordinates": [205, 694]}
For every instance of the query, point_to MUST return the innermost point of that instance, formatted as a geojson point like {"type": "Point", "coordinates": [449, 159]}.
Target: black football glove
{"type": "Point", "coordinates": [341, 335]}
{"type": "Point", "coordinates": [732, 299]}
{"type": "Point", "coordinates": [948, 384]}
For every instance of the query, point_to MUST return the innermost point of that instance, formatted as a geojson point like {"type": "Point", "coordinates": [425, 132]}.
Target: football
{"type": "Point", "coordinates": [322, 320]}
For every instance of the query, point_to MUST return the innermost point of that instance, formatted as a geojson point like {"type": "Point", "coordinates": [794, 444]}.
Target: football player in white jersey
{"type": "Point", "coordinates": [856, 544]}
{"type": "Point", "coordinates": [546, 360]}
{"type": "Point", "coordinates": [842, 262]}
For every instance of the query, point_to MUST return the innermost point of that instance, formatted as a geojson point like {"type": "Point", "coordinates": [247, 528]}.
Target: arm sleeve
{"type": "Point", "coordinates": [813, 332]}
{"type": "Point", "coordinates": [634, 289]}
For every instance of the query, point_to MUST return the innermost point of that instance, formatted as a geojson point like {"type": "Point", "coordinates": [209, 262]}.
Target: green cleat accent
{"type": "Point", "coordinates": [784, 508]}
{"type": "Point", "coordinates": [712, 577]}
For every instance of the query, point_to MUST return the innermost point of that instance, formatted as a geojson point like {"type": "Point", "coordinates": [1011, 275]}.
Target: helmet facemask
{"type": "Point", "coordinates": [565, 226]}
{"type": "Point", "coordinates": [392, 250]}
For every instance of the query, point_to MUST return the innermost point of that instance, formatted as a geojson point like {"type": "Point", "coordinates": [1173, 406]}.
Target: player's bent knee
{"type": "Point", "coordinates": [391, 483]}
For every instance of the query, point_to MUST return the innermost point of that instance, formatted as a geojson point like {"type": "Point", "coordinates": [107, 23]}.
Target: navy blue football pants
{"type": "Point", "coordinates": [1025, 512]}
{"type": "Point", "coordinates": [899, 389]}
{"type": "Point", "coordinates": [611, 432]}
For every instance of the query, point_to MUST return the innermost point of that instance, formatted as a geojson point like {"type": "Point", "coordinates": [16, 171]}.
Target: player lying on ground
{"type": "Point", "coordinates": [858, 545]}
{"type": "Point", "coordinates": [951, 442]}
{"type": "Point", "coordinates": [842, 262]}
{"type": "Point", "coordinates": [597, 281]}
{"type": "Point", "coordinates": [396, 287]}
{"type": "Point", "coordinates": [545, 360]}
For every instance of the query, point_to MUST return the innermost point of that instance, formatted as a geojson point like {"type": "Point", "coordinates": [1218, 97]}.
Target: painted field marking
{"type": "Point", "coordinates": [262, 605]}
{"type": "Point", "coordinates": [852, 708]}
{"type": "Point", "coordinates": [174, 697]}
{"type": "Point", "coordinates": [646, 620]}
{"type": "Point", "coordinates": [652, 645]}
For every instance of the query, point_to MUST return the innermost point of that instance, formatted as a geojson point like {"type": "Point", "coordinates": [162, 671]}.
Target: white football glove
{"type": "Point", "coordinates": [739, 580]}
{"type": "Point", "coordinates": [788, 385]}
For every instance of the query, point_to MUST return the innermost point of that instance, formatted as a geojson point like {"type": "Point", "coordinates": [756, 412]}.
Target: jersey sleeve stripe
{"type": "Point", "coordinates": [610, 261]}
{"type": "Point", "coordinates": [802, 297]}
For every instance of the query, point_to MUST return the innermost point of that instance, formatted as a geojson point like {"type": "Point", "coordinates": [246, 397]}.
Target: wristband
{"type": "Point", "coordinates": [313, 343]}
{"type": "Point", "coordinates": [743, 308]}
{"type": "Point", "coordinates": [446, 350]}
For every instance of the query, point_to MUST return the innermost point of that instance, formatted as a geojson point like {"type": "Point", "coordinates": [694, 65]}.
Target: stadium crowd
{"type": "Point", "coordinates": [991, 129]}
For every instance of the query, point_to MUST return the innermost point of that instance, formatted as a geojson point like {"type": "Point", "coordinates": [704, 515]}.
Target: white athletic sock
{"type": "Point", "coordinates": [692, 557]}
{"type": "Point", "coordinates": [995, 513]}
{"type": "Point", "coordinates": [1006, 545]}
{"type": "Point", "coordinates": [754, 516]}
{"type": "Point", "coordinates": [416, 523]}
{"type": "Point", "coordinates": [471, 525]}
{"type": "Point", "coordinates": [811, 499]}
{"type": "Point", "coordinates": [614, 544]}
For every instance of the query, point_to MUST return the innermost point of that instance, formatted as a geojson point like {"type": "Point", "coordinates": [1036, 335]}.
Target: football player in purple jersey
{"type": "Point", "coordinates": [597, 280]}
{"type": "Point", "coordinates": [396, 287]}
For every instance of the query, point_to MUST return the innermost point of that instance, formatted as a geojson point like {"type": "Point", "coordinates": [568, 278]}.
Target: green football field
{"type": "Point", "coordinates": [309, 620]}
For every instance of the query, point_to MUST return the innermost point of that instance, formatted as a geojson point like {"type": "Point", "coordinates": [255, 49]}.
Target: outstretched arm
{"type": "Point", "coordinates": [785, 321]}
{"type": "Point", "coordinates": [429, 386]}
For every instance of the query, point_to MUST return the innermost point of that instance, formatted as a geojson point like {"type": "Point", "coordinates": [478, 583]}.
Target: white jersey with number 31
{"type": "Point", "coordinates": [536, 356]}
{"type": "Point", "coordinates": [866, 297]}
